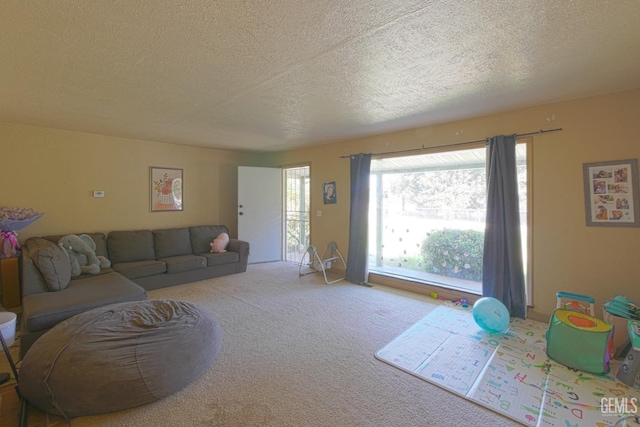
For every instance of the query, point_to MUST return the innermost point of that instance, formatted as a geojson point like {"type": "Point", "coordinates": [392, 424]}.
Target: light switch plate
{"type": "Point", "coordinates": [98, 193]}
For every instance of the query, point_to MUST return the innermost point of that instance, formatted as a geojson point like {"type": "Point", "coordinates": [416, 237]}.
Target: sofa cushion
{"type": "Point", "coordinates": [221, 258]}
{"type": "Point", "coordinates": [134, 270]}
{"type": "Point", "coordinates": [130, 246]}
{"type": "Point", "coordinates": [172, 242]}
{"type": "Point", "coordinates": [52, 262]}
{"type": "Point", "coordinates": [45, 310]}
{"type": "Point", "coordinates": [178, 264]}
{"type": "Point", "coordinates": [203, 235]}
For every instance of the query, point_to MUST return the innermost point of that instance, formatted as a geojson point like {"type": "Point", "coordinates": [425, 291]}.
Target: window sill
{"type": "Point", "coordinates": [407, 284]}
{"type": "Point", "coordinates": [413, 285]}
{"type": "Point", "coordinates": [435, 280]}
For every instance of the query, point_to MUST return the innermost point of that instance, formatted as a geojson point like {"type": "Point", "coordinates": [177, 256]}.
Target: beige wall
{"type": "Point", "coordinates": [55, 172]}
{"type": "Point", "coordinates": [567, 255]}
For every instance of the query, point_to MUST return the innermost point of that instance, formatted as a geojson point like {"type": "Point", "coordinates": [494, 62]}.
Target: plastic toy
{"type": "Point", "coordinates": [577, 339]}
{"type": "Point", "coordinates": [620, 306]}
{"type": "Point", "coordinates": [628, 371]}
{"type": "Point", "coordinates": [491, 315]}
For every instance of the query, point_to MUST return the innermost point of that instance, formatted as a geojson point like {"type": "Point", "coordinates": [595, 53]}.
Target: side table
{"type": "Point", "coordinates": [10, 282]}
{"type": "Point", "coordinates": [23, 401]}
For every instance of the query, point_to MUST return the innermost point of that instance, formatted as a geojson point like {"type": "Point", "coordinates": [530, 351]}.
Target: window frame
{"type": "Point", "coordinates": [528, 142]}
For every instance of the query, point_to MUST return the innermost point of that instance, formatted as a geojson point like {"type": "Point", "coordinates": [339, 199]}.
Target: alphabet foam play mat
{"type": "Point", "coordinates": [509, 373]}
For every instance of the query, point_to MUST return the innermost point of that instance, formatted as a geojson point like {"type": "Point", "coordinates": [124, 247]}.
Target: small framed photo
{"type": "Point", "coordinates": [166, 187]}
{"type": "Point", "coordinates": [329, 192]}
{"type": "Point", "coordinates": [611, 193]}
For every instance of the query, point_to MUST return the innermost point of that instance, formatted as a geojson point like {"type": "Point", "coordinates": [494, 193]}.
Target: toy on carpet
{"type": "Point", "coordinates": [618, 311]}
{"type": "Point", "coordinates": [576, 339]}
{"type": "Point", "coordinates": [462, 301]}
{"type": "Point", "coordinates": [220, 243]}
{"type": "Point", "coordinates": [620, 306]}
{"type": "Point", "coordinates": [628, 371]}
{"type": "Point", "coordinates": [491, 315]}
{"type": "Point", "coordinates": [82, 256]}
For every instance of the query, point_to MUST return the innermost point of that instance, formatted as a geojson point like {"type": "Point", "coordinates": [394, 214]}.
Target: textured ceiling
{"type": "Point", "coordinates": [278, 74]}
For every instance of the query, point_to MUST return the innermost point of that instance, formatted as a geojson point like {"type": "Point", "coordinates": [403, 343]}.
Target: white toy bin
{"type": "Point", "coordinates": [8, 327]}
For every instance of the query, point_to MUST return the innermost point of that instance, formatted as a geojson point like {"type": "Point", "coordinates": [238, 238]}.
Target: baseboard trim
{"type": "Point", "coordinates": [536, 315]}
{"type": "Point", "coordinates": [448, 294]}
{"type": "Point", "coordinates": [421, 288]}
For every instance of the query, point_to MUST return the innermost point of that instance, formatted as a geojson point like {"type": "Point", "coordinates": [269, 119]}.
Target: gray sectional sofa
{"type": "Point", "coordinates": [141, 260]}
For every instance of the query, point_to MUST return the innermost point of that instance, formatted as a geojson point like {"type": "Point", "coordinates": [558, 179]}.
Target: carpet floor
{"type": "Point", "coordinates": [298, 352]}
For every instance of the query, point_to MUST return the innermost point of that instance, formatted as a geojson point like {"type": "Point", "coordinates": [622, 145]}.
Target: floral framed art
{"type": "Point", "coordinates": [166, 189]}
{"type": "Point", "coordinates": [611, 193]}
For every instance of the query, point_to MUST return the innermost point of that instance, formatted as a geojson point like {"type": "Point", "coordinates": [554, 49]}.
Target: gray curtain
{"type": "Point", "coordinates": [502, 270]}
{"type": "Point", "coordinates": [357, 262]}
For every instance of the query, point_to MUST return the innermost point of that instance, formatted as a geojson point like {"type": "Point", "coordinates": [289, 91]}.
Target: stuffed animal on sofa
{"type": "Point", "coordinates": [81, 251]}
{"type": "Point", "coordinates": [220, 243]}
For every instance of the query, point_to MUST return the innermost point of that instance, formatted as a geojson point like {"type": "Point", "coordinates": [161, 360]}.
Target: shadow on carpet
{"type": "Point", "coordinates": [508, 373]}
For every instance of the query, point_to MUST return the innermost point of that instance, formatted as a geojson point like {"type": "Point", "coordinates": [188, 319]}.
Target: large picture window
{"type": "Point", "coordinates": [427, 216]}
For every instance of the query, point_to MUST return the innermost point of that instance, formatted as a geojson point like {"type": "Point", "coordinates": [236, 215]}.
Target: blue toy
{"type": "Point", "coordinates": [491, 315]}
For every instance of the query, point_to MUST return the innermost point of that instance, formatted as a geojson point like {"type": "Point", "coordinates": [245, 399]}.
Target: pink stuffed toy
{"type": "Point", "coordinates": [220, 243]}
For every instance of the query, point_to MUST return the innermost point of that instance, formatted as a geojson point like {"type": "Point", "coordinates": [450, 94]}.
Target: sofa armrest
{"type": "Point", "coordinates": [242, 248]}
{"type": "Point", "coordinates": [31, 280]}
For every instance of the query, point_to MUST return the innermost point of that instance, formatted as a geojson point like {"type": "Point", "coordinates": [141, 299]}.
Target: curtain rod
{"type": "Point", "coordinates": [456, 144]}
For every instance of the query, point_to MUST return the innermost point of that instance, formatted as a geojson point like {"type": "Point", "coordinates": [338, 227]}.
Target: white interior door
{"type": "Point", "coordinates": [260, 212]}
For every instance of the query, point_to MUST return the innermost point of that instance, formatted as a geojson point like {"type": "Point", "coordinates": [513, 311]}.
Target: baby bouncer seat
{"type": "Point", "coordinates": [316, 264]}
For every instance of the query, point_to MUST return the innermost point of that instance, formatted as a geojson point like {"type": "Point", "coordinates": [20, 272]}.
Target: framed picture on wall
{"type": "Point", "coordinates": [166, 187]}
{"type": "Point", "coordinates": [329, 192]}
{"type": "Point", "coordinates": [611, 193]}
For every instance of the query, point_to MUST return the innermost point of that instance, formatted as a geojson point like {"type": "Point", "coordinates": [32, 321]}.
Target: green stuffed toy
{"type": "Point", "coordinates": [82, 256]}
